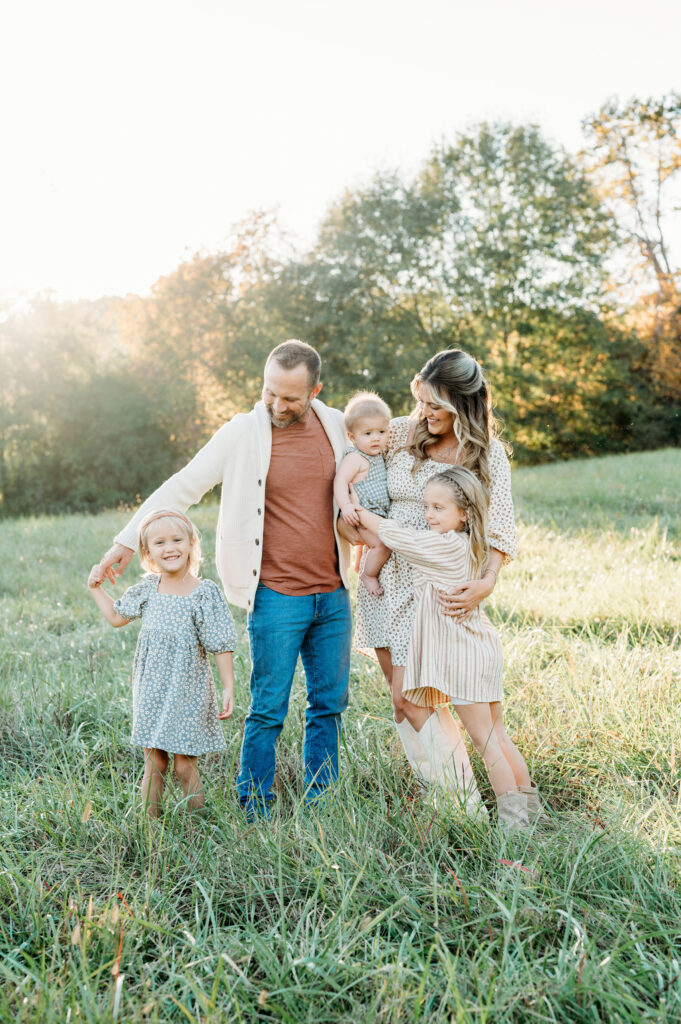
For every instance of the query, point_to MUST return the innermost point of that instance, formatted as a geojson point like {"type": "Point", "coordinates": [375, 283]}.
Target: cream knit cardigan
{"type": "Point", "coordinates": [238, 456]}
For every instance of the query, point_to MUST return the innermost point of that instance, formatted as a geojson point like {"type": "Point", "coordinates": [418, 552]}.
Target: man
{"type": "Point", "coordinates": [279, 556]}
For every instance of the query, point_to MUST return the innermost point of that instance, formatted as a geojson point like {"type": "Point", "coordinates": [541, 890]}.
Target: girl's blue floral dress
{"type": "Point", "coordinates": [174, 707]}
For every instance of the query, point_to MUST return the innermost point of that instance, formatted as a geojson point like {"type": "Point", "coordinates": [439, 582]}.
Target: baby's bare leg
{"type": "Point", "coordinates": [377, 556]}
{"type": "Point", "coordinates": [155, 768]}
{"type": "Point", "coordinates": [190, 780]}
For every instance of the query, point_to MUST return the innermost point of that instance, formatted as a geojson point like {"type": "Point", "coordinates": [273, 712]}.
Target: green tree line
{"type": "Point", "coordinates": [553, 269]}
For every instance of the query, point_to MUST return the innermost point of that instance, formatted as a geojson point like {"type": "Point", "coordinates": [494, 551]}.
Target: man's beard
{"type": "Point", "coordinates": [288, 422]}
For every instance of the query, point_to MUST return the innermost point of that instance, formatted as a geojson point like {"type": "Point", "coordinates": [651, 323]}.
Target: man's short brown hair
{"type": "Point", "coordinates": [292, 353]}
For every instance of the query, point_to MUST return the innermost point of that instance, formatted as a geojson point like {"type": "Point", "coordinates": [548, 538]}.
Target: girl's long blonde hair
{"type": "Point", "coordinates": [471, 497]}
{"type": "Point", "coordinates": [181, 522]}
{"type": "Point", "coordinates": [454, 380]}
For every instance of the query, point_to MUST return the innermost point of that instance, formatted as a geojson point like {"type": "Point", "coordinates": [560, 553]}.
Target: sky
{"type": "Point", "coordinates": [136, 133]}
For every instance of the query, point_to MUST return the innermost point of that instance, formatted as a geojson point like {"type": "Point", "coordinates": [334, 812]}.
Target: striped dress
{"type": "Point", "coordinates": [386, 621]}
{"type": "Point", "coordinates": [447, 661]}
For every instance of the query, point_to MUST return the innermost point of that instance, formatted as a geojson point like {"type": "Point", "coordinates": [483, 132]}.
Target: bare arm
{"type": "Point", "coordinates": [350, 469]}
{"type": "Point", "coordinates": [182, 490]}
{"type": "Point", "coordinates": [224, 662]}
{"type": "Point", "coordinates": [424, 548]}
{"type": "Point", "coordinates": [103, 601]}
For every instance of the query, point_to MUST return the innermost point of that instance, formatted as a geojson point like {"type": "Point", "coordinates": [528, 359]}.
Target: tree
{"type": "Point", "coordinates": [78, 431]}
{"type": "Point", "coordinates": [495, 245]}
{"type": "Point", "coordinates": [516, 226]}
{"type": "Point", "coordinates": [199, 341]}
{"type": "Point", "coordinates": [634, 156]}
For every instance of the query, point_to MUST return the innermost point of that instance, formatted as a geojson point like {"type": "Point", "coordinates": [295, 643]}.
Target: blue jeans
{"type": "Point", "coordinates": [280, 627]}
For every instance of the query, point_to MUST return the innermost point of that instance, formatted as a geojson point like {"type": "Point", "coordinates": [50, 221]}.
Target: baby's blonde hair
{"type": "Point", "coordinates": [181, 522]}
{"type": "Point", "coordinates": [362, 405]}
{"type": "Point", "coordinates": [471, 497]}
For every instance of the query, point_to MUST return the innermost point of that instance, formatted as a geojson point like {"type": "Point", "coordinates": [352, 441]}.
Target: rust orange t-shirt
{"type": "Point", "coordinates": [299, 554]}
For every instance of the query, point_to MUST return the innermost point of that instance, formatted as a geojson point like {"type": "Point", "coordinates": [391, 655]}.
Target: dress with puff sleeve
{"type": "Point", "coordinates": [130, 604]}
{"type": "Point", "coordinates": [174, 705]}
{"type": "Point", "coordinates": [213, 619]}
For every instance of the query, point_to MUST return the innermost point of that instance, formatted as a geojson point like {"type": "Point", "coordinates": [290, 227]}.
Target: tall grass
{"type": "Point", "coordinates": [376, 907]}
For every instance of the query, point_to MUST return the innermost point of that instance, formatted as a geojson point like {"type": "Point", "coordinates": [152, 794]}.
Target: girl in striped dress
{"type": "Point", "coordinates": [450, 660]}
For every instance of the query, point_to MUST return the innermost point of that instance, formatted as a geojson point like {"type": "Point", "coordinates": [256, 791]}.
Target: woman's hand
{"type": "Point", "coordinates": [466, 598]}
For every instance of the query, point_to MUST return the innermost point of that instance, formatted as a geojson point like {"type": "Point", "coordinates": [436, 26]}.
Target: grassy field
{"type": "Point", "coordinates": [375, 908]}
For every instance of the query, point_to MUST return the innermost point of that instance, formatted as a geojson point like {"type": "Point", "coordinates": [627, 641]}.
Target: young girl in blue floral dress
{"type": "Point", "coordinates": [183, 618]}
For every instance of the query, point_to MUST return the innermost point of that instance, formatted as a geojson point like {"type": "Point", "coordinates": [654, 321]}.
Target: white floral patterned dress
{"type": "Point", "coordinates": [174, 707]}
{"type": "Point", "coordinates": [387, 621]}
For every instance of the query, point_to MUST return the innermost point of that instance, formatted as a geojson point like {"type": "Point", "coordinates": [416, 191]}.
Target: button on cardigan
{"type": "Point", "coordinates": [238, 457]}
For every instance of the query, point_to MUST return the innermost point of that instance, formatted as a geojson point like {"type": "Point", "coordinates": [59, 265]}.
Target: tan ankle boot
{"type": "Point", "coordinates": [512, 810]}
{"type": "Point", "coordinates": [535, 811]}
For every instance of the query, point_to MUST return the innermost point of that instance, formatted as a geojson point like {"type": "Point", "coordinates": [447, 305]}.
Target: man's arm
{"type": "Point", "coordinates": [182, 490]}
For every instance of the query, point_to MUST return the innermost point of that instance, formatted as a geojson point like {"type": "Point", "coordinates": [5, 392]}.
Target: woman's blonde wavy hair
{"type": "Point", "coordinates": [454, 380]}
{"type": "Point", "coordinates": [471, 497]}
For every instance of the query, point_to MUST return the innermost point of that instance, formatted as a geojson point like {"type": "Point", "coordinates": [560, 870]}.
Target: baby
{"type": "Point", "coordinates": [361, 478]}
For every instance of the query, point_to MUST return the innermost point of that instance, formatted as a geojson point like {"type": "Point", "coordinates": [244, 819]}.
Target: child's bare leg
{"type": "Point", "coordinates": [402, 707]}
{"type": "Point", "coordinates": [376, 558]}
{"type": "Point", "coordinates": [477, 721]}
{"type": "Point", "coordinates": [386, 663]}
{"type": "Point", "coordinates": [155, 768]}
{"type": "Point", "coordinates": [511, 752]}
{"type": "Point", "coordinates": [190, 780]}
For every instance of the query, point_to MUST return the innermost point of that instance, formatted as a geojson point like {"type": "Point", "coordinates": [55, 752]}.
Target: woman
{"type": "Point", "coordinates": [453, 424]}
